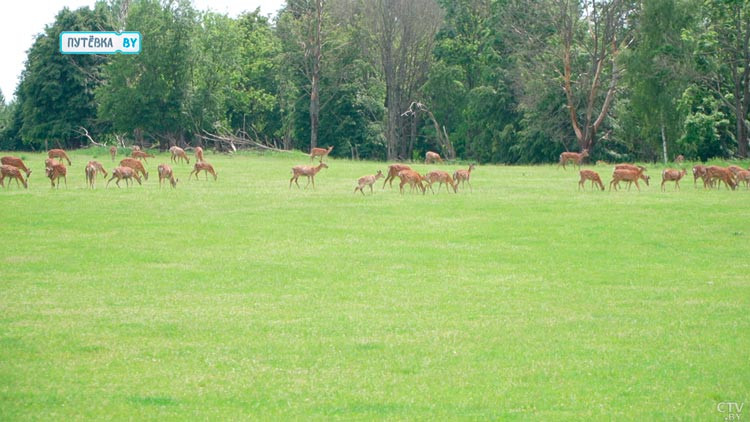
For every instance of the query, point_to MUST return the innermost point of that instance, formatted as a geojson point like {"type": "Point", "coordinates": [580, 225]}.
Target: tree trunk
{"type": "Point", "coordinates": [315, 76]}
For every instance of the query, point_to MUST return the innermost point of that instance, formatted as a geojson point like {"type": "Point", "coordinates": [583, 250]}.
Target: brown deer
{"type": "Point", "coordinates": [92, 168]}
{"type": "Point", "coordinates": [632, 167]}
{"type": "Point", "coordinates": [15, 162]}
{"type": "Point", "coordinates": [432, 157]}
{"type": "Point", "coordinates": [124, 173]}
{"type": "Point", "coordinates": [626, 175]}
{"type": "Point", "coordinates": [672, 175]}
{"type": "Point", "coordinates": [320, 152]}
{"type": "Point", "coordinates": [412, 178]}
{"type": "Point", "coordinates": [56, 170]}
{"type": "Point", "coordinates": [178, 154]}
{"type": "Point", "coordinates": [699, 171]}
{"type": "Point", "coordinates": [135, 165]}
{"type": "Point", "coordinates": [12, 172]}
{"type": "Point", "coordinates": [113, 152]}
{"type": "Point", "coordinates": [721, 174]}
{"type": "Point", "coordinates": [463, 176]}
{"type": "Point", "coordinates": [202, 166]}
{"type": "Point", "coordinates": [166, 173]}
{"type": "Point", "coordinates": [141, 155]}
{"type": "Point", "coordinates": [308, 171]}
{"type": "Point", "coordinates": [393, 171]}
{"type": "Point", "coordinates": [679, 159]}
{"type": "Point", "coordinates": [575, 157]}
{"type": "Point", "coordinates": [199, 154]}
{"type": "Point", "coordinates": [743, 176]}
{"type": "Point", "coordinates": [592, 176]}
{"type": "Point", "coordinates": [440, 177]}
{"type": "Point", "coordinates": [58, 153]}
{"type": "Point", "coordinates": [735, 169]}
{"type": "Point", "coordinates": [368, 180]}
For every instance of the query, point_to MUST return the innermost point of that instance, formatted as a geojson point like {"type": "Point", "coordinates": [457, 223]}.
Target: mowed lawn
{"type": "Point", "coordinates": [243, 299]}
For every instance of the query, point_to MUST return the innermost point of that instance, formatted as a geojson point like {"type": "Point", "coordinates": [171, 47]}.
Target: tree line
{"type": "Point", "coordinates": [492, 81]}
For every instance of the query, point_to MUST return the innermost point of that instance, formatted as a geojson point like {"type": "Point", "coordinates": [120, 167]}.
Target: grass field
{"type": "Point", "coordinates": [243, 299]}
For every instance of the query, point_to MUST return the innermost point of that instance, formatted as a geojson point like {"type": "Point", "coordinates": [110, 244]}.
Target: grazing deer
{"type": "Point", "coordinates": [633, 167]}
{"type": "Point", "coordinates": [58, 153]}
{"type": "Point", "coordinates": [735, 169]}
{"type": "Point", "coordinates": [432, 157]}
{"type": "Point", "coordinates": [12, 172]}
{"type": "Point", "coordinates": [178, 154]}
{"type": "Point", "coordinates": [199, 154]}
{"type": "Point", "coordinates": [15, 162]}
{"type": "Point", "coordinates": [592, 176]}
{"type": "Point", "coordinates": [463, 176]}
{"type": "Point", "coordinates": [672, 175]}
{"type": "Point", "coordinates": [440, 177]}
{"type": "Point", "coordinates": [113, 152]}
{"type": "Point", "coordinates": [699, 171]}
{"type": "Point", "coordinates": [202, 166]}
{"type": "Point", "coordinates": [56, 170]}
{"type": "Point", "coordinates": [92, 168]}
{"type": "Point", "coordinates": [367, 181]}
{"type": "Point", "coordinates": [626, 175]}
{"type": "Point", "coordinates": [320, 152]}
{"type": "Point", "coordinates": [124, 173]}
{"type": "Point", "coordinates": [393, 171]}
{"type": "Point", "coordinates": [575, 157]}
{"type": "Point", "coordinates": [412, 178]}
{"type": "Point", "coordinates": [141, 155]}
{"type": "Point", "coordinates": [743, 176]}
{"type": "Point", "coordinates": [308, 171]}
{"type": "Point", "coordinates": [135, 165]}
{"type": "Point", "coordinates": [721, 174]}
{"type": "Point", "coordinates": [165, 172]}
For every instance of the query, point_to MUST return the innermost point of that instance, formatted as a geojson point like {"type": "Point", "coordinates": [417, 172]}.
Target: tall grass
{"type": "Point", "coordinates": [243, 298]}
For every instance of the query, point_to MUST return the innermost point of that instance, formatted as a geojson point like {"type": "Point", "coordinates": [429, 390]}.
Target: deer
{"type": "Point", "coordinates": [440, 177]}
{"type": "Point", "coordinates": [368, 180]}
{"type": "Point", "coordinates": [58, 153]}
{"type": "Point", "coordinates": [679, 159]}
{"type": "Point", "coordinates": [124, 173]}
{"type": "Point", "coordinates": [135, 165]}
{"type": "Point", "coordinates": [113, 152]}
{"type": "Point", "coordinates": [575, 157]}
{"type": "Point", "coordinates": [92, 168]}
{"type": "Point", "coordinates": [735, 169]}
{"type": "Point", "coordinates": [199, 154]}
{"type": "Point", "coordinates": [720, 173]}
{"type": "Point", "coordinates": [15, 162]}
{"type": "Point", "coordinates": [672, 175]}
{"type": "Point", "coordinates": [12, 172]}
{"type": "Point", "coordinates": [320, 152]}
{"type": "Point", "coordinates": [412, 178]}
{"type": "Point", "coordinates": [432, 157]}
{"type": "Point", "coordinates": [699, 171]}
{"type": "Point", "coordinates": [178, 154]}
{"type": "Point", "coordinates": [743, 176]}
{"type": "Point", "coordinates": [463, 176]}
{"type": "Point", "coordinates": [166, 173]}
{"type": "Point", "coordinates": [202, 166]}
{"type": "Point", "coordinates": [592, 176]}
{"type": "Point", "coordinates": [308, 171]}
{"type": "Point", "coordinates": [632, 167]}
{"type": "Point", "coordinates": [141, 155]}
{"type": "Point", "coordinates": [393, 171]}
{"type": "Point", "coordinates": [56, 170]}
{"type": "Point", "coordinates": [626, 175]}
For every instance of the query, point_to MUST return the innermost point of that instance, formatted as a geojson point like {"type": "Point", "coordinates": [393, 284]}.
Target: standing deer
{"type": "Point", "coordinates": [58, 153]}
{"type": "Point", "coordinates": [699, 171]}
{"type": "Point", "coordinates": [55, 171]}
{"type": "Point", "coordinates": [626, 175]}
{"type": "Point", "coordinates": [124, 173]}
{"type": "Point", "coordinates": [632, 167]}
{"type": "Point", "coordinates": [166, 173]}
{"type": "Point", "coordinates": [199, 154]}
{"type": "Point", "coordinates": [202, 166]}
{"type": "Point", "coordinates": [592, 176]}
{"type": "Point", "coordinates": [672, 175]}
{"type": "Point", "coordinates": [412, 178]}
{"type": "Point", "coordinates": [393, 171]}
{"type": "Point", "coordinates": [432, 157]}
{"type": "Point", "coordinates": [92, 168]}
{"type": "Point", "coordinates": [679, 159]}
{"type": "Point", "coordinates": [721, 174]}
{"type": "Point", "coordinates": [575, 157]}
{"type": "Point", "coordinates": [178, 154]}
{"type": "Point", "coordinates": [320, 152]}
{"type": "Point", "coordinates": [743, 176]}
{"type": "Point", "coordinates": [141, 155]}
{"type": "Point", "coordinates": [367, 181]}
{"type": "Point", "coordinates": [12, 172]}
{"type": "Point", "coordinates": [308, 171]}
{"type": "Point", "coordinates": [440, 177]}
{"type": "Point", "coordinates": [135, 165]}
{"type": "Point", "coordinates": [113, 152]}
{"type": "Point", "coordinates": [463, 176]}
{"type": "Point", "coordinates": [17, 163]}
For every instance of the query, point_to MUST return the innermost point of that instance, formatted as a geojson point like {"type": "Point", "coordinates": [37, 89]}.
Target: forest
{"type": "Point", "coordinates": [488, 81]}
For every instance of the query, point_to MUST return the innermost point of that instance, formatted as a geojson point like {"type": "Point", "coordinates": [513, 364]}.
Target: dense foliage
{"type": "Point", "coordinates": [487, 80]}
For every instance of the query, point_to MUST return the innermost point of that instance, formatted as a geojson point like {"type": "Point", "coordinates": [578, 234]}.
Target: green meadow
{"type": "Point", "coordinates": [242, 299]}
